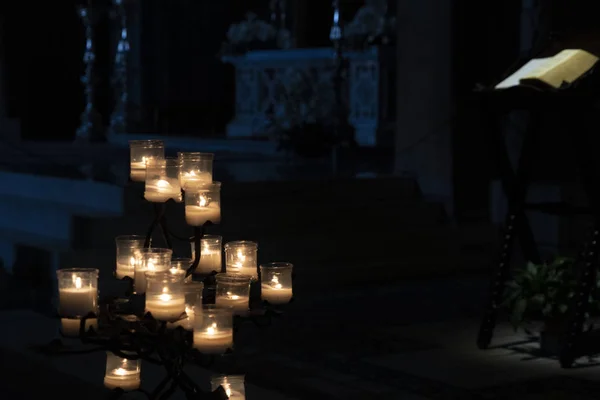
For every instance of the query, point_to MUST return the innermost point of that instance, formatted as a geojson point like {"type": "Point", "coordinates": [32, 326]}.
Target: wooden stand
{"type": "Point", "coordinates": [576, 103]}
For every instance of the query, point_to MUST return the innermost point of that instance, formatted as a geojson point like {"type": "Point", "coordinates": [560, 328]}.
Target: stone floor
{"type": "Point", "coordinates": [402, 339]}
{"type": "Point", "coordinates": [414, 340]}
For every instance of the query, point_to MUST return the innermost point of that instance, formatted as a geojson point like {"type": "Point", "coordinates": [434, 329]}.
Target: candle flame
{"type": "Point", "coordinates": [241, 258]}
{"type": "Point", "coordinates": [232, 296]}
{"type": "Point", "coordinates": [165, 296]}
{"type": "Point", "coordinates": [275, 283]}
{"type": "Point", "coordinates": [211, 330]}
{"type": "Point", "coordinates": [189, 173]}
{"type": "Point", "coordinates": [77, 281]}
{"type": "Point", "coordinates": [120, 371]}
{"type": "Point", "coordinates": [132, 261]}
{"type": "Point", "coordinates": [163, 184]}
{"type": "Point", "coordinates": [202, 201]}
{"type": "Point", "coordinates": [151, 265]}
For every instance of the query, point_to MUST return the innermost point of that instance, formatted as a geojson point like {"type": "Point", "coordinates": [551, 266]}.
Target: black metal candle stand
{"type": "Point", "coordinates": [128, 332]}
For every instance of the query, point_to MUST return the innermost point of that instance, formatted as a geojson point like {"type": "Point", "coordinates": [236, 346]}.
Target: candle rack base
{"type": "Point", "coordinates": [134, 338]}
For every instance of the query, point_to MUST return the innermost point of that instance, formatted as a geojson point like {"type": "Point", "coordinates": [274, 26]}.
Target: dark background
{"type": "Point", "coordinates": [186, 88]}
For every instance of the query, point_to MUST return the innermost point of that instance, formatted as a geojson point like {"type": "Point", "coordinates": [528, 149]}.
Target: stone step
{"type": "Point", "coordinates": [276, 221]}
{"type": "Point", "coordinates": [364, 192]}
{"type": "Point", "coordinates": [321, 263]}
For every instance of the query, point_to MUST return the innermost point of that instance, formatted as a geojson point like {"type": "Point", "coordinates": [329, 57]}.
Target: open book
{"type": "Point", "coordinates": [566, 66]}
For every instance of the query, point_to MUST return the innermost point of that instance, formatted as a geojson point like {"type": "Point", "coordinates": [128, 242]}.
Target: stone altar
{"type": "Point", "coordinates": [258, 74]}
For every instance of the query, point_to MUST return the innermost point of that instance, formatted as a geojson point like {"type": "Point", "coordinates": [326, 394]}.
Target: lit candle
{"type": "Point", "coordinates": [210, 260]}
{"type": "Point", "coordinates": [193, 177]}
{"type": "Point", "coordinates": [70, 326]}
{"type": "Point", "coordinates": [193, 299]}
{"type": "Point", "coordinates": [126, 268]}
{"type": "Point", "coordinates": [241, 258]}
{"type": "Point", "coordinates": [213, 340]}
{"type": "Point", "coordinates": [138, 169]}
{"type": "Point", "coordinates": [197, 215]}
{"type": "Point", "coordinates": [186, 323]}
{"type": "Point", "coordinates": [122, 373]}
{"type": "Point", "coordinates": [161, 190]}
{"type": "Point", "coordinates": [274, 292]}
{"type": "Point", "coordinates": [232, 384]}
{"type": "Point", "coordinates": [166, 306]}
{"type": "Point", "coordinates": [139, 281]}
{"type": "Point", "coordinates": [238, 304]}
{"type": "Point", "coordinates": [77, 300]}
{"type": "Point", "coordinates": [242, 265]}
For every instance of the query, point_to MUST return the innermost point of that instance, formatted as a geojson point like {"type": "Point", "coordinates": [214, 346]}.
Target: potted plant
{"type": "Point", "coordinates": [543, 293]}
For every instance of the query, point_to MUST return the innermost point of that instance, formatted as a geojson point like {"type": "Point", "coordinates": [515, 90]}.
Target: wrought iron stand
{"type": "Point", "coordinates": [576, 103]}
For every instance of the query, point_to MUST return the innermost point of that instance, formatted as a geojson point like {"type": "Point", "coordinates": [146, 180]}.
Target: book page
{"type": "Point", "coordinates": [568, 66]}
{"type": "Point", "coordinates": [533, 69]}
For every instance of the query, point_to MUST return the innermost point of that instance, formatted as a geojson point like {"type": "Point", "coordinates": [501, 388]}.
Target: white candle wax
{"type": "Point", "coordinates": [232, 394]}
{"type": "Point", "coordinates": [125, 268]}
{"type": "Point", "coordinates": [192, 177]}
{"type": "Point", "coordinates": [186, 323]}
{"type": "Point", "coordinates": [213, 341]}
{"type": "Point", "coordinates": [275, 295]}
{"type": "Point", "coordinates": [243, 269]}
{"type": "Point", "coordinates": [77, 302]}
{"type": "Point", "coordinates": [138, 171]}
{"type": "Point", "coordinates": [166, 306]}
{"type": "Point", "coordinates": [210, 260]}
{"type": "Point", "coordinates": [139, 281]}
{"type": "Point", "coordinates": [238, 304]}
{"type": "Point", "coordinates": [198, 215]}
{"type": "Point", "coordinates": [70, 326]}
{"type": "Point", "coordinates": [161, 190]}
{"type": "Point", "coordinates": [122, 378]}
{"type": "Point", "coordinates": [182, 272]}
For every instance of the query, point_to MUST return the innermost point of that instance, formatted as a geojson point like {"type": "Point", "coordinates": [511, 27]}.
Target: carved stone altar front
{"type": "Point", "coordinates": [258, 75]}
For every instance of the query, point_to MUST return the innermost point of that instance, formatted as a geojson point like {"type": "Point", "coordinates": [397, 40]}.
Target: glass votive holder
{"type": "Point", "coordinates": [203, 203]}
{"type": "Point", "coordinates": [210, 256]}
{"type": "Point", "coordinates": [77, 292]}
{"type": "Point", "coordinates": [233, 385]}
{"type": "Point", "coordinates": [241, 258]}
{"type": "Point", "coordinates": [213, 329]}
{"type": "Point", "coordinates": [128, 247]}
{"type": "Point", "coordinates": [195, 168]}
{"type": "Point", "coordinates": [141, 152]}
{"type": "Point", "coordinates": [233, 292]}
{"type": "Point", "coordinates": [122, 373]}
{"type": "Point", "coordinates": [162, 181]}
{"type": "Point", "coordinates": [276, 282]}
{"type": "Point", "coordinates": [193, 300]}
{"type": "Point", "coordinates": [165, 298]}
{"type": "Point", "coordinates": [179, 265]}
{"type": "Point", "coordinates": [69, 327]}
{"type": "Point", "coordinates": [153, 260]}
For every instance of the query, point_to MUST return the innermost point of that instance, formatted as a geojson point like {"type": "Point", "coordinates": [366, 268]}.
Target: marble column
{"type": "Point", "coordinates": [424, 96]}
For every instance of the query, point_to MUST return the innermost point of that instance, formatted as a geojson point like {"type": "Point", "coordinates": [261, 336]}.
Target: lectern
{"type": "Point", "coordinates": [577, 102]}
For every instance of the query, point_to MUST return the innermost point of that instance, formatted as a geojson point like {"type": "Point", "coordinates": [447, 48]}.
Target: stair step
{"type": "Point", "coordinates": [335, 193]}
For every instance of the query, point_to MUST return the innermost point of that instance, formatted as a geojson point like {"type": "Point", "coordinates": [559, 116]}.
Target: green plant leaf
{"type": "Point", "coordinates": [538, 299]}
{"type": "Point", "coordinates": [547, 310]}
{"type": "Point", "coordinates": [562, 308]}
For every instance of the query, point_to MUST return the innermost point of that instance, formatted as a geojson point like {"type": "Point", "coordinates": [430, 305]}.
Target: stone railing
{"type": "Point", "coordinates": [259, 73]}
